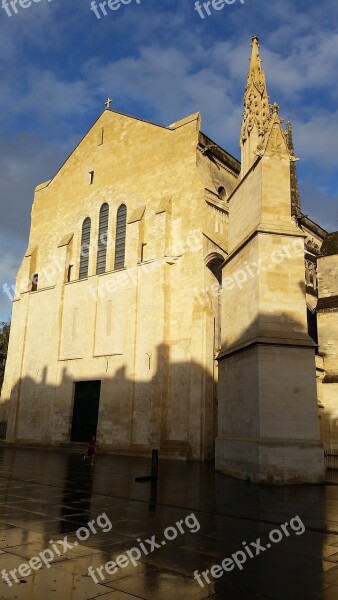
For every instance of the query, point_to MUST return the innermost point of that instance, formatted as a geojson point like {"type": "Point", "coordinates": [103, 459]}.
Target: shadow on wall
{"type": "Point", "coordinates": [286, 350]}
{"type": "Point", "coordinates": [173, 410]}
{"type": "Point", "coordinates": [328, 419]}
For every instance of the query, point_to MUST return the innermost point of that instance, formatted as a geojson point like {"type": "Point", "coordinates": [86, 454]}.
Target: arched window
{"type": "Point", "coordinates": [85, 248]}
{"type": "Point", "coordinates": [222, 193]}
{"type": "Point", "coordinates": [120, 242]}
{"type": "Point", "coordinates": [214, 262]}
{"type": "Point", "coordinates": [103, 239]}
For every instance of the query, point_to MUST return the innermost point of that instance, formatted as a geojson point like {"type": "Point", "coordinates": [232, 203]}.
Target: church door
{"type": "Point", "coordinates": [85, 410]}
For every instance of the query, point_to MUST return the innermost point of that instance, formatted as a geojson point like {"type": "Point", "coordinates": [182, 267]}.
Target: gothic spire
{"type": "Point", "coordinates": [295, 195]}
{"type": "Point", "coordinates": [256, 108]}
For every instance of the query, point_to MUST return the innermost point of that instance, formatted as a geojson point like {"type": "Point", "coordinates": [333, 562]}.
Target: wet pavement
{"type": "Point", "coordinates": [199, 518]}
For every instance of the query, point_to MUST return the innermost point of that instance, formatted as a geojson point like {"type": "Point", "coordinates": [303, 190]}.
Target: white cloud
{"type": "Point", "coordinates": [170, 65]}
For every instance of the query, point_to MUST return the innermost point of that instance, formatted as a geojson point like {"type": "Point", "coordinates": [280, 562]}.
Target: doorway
{"type": "Point", "coordinates": [85, 410]}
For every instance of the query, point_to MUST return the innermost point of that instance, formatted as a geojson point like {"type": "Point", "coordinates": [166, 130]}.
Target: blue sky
{"type": "Point", "coordinates": [160, 61]}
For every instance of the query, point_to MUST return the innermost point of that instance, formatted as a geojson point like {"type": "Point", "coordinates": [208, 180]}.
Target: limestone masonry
{"type": "Point", "coordinates": [174, 298]}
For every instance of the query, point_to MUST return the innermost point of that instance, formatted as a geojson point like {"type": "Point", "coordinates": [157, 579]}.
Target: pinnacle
{"type": "Point", "coordinates": [256, 100]}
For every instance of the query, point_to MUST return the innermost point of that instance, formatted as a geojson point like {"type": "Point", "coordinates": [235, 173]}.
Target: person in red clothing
{"type": "Point", "coordinates": [91, 449]}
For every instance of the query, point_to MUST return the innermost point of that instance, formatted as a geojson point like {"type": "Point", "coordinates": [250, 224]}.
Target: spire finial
{"type": "Point", "coordinates": [255, 47]}
{"type": "Point", "coordinates": [256, 108]}
{"type": "Point", "coordinates": [108, 103]}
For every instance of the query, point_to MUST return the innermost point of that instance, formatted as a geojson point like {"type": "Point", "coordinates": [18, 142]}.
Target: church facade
{"type": "Point", "coordinates": [174, 298]}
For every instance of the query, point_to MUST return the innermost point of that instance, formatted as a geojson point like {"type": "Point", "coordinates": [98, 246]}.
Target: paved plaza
{"type": "Point", "coordinates": [47, 497]}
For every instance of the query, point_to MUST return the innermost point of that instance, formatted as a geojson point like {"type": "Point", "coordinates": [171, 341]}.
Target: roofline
{"type": "Point", "coordinates": [305, 219]}
{"type": "Point", "coordinates": [39, 186]}
{"type": "Point", "coordinates": [117, 112]}
{"type": "Point", "coordinates": [46, 184]}
{"type": "Point", "coordinates": [237, 164]}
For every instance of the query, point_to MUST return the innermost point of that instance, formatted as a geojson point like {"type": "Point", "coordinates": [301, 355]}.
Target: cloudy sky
{"type": "Point", "coordinates": [160, 61]}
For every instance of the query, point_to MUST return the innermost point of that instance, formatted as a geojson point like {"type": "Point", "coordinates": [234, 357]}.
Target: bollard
{"type": "Point", "coordinates": [154, 469]}
{"type": "Point", "coordinates": [154, 464]}
{"type": "Point", "coordinates": [153, 495]}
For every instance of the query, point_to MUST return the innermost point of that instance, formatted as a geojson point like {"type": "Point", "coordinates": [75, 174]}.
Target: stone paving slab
{"type": "Point", "coordinates": [47, 496]}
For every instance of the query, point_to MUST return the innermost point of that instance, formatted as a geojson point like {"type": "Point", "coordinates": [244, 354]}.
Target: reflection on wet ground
{"type": "Point", "coordinates": [46, 496]}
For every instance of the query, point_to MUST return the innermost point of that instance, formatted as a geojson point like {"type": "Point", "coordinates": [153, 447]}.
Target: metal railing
{"type": "Point", "coordinates": [331, 459]}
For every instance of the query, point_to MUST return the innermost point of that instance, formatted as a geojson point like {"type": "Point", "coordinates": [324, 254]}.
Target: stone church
{"type": "Point", "coordinates": [172, 297]}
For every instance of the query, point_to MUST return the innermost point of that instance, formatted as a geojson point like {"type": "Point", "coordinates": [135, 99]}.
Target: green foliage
{"type": "Point", "coordinates": [4, 339]}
